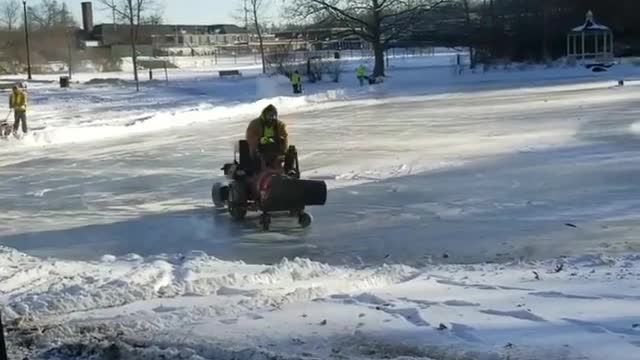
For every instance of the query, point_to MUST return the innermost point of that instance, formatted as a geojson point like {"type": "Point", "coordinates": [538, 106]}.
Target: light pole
{"type": "Point", "coordinates": [70, 44]}
{"type": "Point", "coordinates": [26, 35]}
{"type": "Point", "coordinates": [3, 346]}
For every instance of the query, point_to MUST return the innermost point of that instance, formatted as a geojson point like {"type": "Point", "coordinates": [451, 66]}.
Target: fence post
{"type": "Point", "coordinates": [3, 345]}
{"type": "Point", "coordinates": [166, 73]}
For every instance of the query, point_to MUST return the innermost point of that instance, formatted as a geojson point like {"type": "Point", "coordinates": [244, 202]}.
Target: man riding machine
{"type": "Point", "coordinates": [267, 176]}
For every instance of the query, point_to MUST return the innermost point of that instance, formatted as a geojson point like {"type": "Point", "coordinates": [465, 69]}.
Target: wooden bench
{"type": "Point", "coordinates": [223, 73]}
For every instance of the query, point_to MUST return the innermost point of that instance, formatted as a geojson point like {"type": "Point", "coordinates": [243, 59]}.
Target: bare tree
{"type": "Point", "coordinates": [153, 19]}
{"type": "Point", "coordinates": [10, 12]}
{"type": "Point", "coordinates": [252, 15]}
{"type": "Point", "coordinates": [132, 12]}
{"type": "Point", "coordinates": [379, 22]}
{"type": "Point", "coordinates": [256, 7]}
{"type": "Point", "coordinates": [50, 14]}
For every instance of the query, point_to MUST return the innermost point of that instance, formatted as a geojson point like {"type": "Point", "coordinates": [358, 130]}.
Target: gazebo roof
{"type": "Point", "coordinates": [590, 25]}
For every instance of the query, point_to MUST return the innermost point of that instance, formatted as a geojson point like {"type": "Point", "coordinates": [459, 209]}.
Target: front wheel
{"type": "Point", "coordinates": [219, 195]}
{"type": "Point", "coordinates": [237, 202]}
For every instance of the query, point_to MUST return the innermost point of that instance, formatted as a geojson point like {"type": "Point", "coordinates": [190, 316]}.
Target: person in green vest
{"type": "Point", "coordinates": [296, 82]}
{"type": "Point", "coordinates": [267, 137]}
{"type": "Point", "coordinates": [18, 103]}
{"type": "Point", "coordinates": [361, 73]}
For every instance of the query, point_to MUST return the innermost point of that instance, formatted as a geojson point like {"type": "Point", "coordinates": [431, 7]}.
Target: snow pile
{"type": "Point", "coordinates": [195, 306]}
{"type": "Point", "coordinates": [59, 287]}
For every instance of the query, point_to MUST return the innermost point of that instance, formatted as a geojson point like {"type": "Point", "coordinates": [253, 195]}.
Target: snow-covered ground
{"type": "Point", "coordinates": [482, 216]}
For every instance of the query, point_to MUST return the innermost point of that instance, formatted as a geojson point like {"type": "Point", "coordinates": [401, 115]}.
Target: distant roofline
{"type": "Point", "coordinates": [175, 25]}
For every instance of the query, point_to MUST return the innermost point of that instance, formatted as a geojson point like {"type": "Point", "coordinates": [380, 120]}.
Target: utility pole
{"type": "Point", "coordinates": [26, 35]}
{"type": "Point", "coordinates": [246, 16]}
{"type": "Point", "coordinates": [70, 42]}
{"type": "Point", "coordinates": [3, 346]}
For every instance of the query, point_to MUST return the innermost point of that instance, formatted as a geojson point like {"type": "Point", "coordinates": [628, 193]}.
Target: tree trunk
{"type": "Point", "coordinates": [377, 43]}
{"type": "Point", "coordinates": [470, 37]}
{"type": "Point", "coordinates": [254, 4]}
{"type": "Point", "coordinates": [134, 39]}
{"type": "Point", "coordinates": [378, 53]}
{"type": "Point", "coordinates": [546, 31]}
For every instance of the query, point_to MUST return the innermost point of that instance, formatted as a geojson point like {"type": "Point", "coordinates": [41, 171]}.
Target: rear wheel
{"type": "Point", "coordinates": [265, 221]}
{"type": "Point", "coordinates": [305, 220]}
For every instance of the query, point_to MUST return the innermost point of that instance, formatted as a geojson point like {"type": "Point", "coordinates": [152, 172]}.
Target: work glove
{"type": "Point", "coordinates": [266, 140]}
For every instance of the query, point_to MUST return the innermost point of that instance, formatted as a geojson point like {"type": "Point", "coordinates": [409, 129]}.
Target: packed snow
{"type": "Point", "coordinates": [194, 306]}
{"type": "Point", "coordinates": [473, 215]}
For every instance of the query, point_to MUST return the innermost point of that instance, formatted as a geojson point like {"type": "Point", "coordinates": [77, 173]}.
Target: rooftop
{"type": "Point", "coordinates": [209, 29]}
{"type": "Point", "coordinates": [590, 25]}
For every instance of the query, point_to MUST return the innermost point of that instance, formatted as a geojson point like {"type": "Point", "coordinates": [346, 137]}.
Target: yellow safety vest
{"type": "Point", "coordinates": [269, 132]}
{"type": "Point", "coordinates": [295, 79]}
{"type": "Point", "coordinates": [361, 71]}
{"type": "Point", "coordinates": [18, 101]}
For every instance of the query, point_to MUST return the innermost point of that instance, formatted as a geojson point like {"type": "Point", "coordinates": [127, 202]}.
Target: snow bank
{"type": "Point", "coordinates": [38, 287]}
{"type": "Point", "coordinates": [195, 306]}
{"type": "Point", "coordinates": [166, 120]}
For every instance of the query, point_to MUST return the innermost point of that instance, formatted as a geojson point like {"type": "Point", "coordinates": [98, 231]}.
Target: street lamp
{"type": "Point", "coordinates": [26, 35]}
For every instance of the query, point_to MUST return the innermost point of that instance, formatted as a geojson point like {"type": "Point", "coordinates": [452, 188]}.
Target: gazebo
{"type": "Point", "coordinates": [591, 41]}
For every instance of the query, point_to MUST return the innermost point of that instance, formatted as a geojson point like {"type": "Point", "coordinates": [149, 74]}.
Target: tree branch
{"type": "Point", "coordinates": [113, 6]}
{"type": "Point", "coordinates": [338, 13]}
{"type": "Point", "coordinates": [416, 9]}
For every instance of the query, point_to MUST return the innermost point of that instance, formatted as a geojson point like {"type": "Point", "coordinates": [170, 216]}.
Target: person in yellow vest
{"type": "Point", "coordinates": [18, 103]}
{"type": "Point", "coordinates": [296, 82]}
{"type": "Point", "coordinates": [267, 137]}
{"type": "Point", "coordinates": [361, 73]}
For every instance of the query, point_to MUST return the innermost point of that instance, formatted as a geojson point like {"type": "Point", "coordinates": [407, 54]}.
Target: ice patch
{"type": "Point", "coordinates": [39, 193]}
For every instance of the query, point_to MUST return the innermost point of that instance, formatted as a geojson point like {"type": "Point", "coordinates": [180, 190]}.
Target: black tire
{"type": "Point", "coordinates": [237, 202]}
{"type": "Point", "coordinates": [265, 221]}
{"type": "Point", "coordinates": [305, 220]}
{"type": "Point", "coordinates": [219, 195]}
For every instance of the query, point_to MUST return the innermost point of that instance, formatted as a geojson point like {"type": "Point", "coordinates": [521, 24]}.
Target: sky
{"type": "Point", "coordinates": [198, 12]}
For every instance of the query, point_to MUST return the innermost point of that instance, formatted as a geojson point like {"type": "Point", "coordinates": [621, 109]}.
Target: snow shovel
{"type": "Point", "coordinates": [5, 131]}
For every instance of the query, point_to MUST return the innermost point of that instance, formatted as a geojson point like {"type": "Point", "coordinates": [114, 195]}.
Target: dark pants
{"type": "Point", "coordinates": [20, 116]}
{"type": "Point", "coordinates": [296, 88]}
